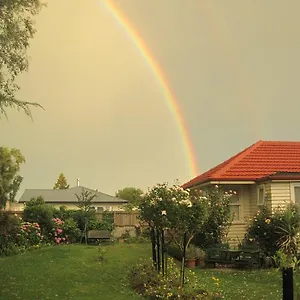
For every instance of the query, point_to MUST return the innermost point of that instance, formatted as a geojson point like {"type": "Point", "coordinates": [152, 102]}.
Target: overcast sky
{"type": "Point", "coordinates": [233, 65]}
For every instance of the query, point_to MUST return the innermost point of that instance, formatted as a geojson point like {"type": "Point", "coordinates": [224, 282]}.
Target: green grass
{"type": "Point", "coordinates": [73, 273]}
{"type": "Point", "coordinates": [244, 284]}
{"type": "Point", "coordinates": [68, 273]}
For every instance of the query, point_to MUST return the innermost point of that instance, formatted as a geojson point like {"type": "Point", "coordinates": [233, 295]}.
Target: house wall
{"type": "Point", "coordinates": [277, 194]}
{"type": "Point", "coordinates": [238, 228]}
{"type": "Point", "coordinates": [280, 194]}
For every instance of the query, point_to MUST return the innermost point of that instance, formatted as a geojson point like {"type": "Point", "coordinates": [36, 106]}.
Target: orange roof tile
{"type": "Point", "coordinates": [260, 160]}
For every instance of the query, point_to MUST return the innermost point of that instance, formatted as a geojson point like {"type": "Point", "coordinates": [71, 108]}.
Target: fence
{"type": "Point", "coordinates": [121, 218]}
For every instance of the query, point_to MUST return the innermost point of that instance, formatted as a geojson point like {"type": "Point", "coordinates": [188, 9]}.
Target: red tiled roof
{"type": "Point", "coordinates": [260, 160]}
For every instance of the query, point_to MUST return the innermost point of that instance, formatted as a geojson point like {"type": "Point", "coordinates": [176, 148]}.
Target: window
{"type": "Point", "coordinates": [235, 206]}
{"type": "Point", "coordinates": [295, 193]}
{"type": "Point", "coordinates": [260, 196]}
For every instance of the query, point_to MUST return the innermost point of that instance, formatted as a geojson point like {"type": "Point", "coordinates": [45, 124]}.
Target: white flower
{"type": "Point", "coordinates": [234, 192]}
{"type": "Point", "coordinates": [164, 212]}
{"type": "Point", "coordinates": [173, 199]}
{"type": "Point", "coordinates": [216, 186]}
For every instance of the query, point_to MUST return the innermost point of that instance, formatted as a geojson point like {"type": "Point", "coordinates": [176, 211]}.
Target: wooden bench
{"type": "Point", "coordinates": [244, 257]}
{"type": "Point", "coordinates": [99, 235]}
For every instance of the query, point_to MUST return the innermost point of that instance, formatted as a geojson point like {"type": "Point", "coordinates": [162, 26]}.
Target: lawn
{"type": "Point", "coordinates": [72, 272]}
{"type": "Point", "coordinates": [67, 273]}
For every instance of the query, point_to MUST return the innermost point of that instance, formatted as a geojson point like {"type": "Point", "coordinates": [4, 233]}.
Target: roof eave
{"type": "Point", "coordinates": [210, 181]}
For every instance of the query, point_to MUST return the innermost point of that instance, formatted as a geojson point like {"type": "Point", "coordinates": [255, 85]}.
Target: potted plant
{"type": "Point", "coordinates": [190, 257]}
{"type": "Point", "coordinates": [200, 256]}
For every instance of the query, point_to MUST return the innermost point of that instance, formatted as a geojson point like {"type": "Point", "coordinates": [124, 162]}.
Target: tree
{"type": "Point", "coordinates": [61, 183]}
{"type": "Point", "coordinates": [10, 161]}
{"type": "Point", "coordinates": [132, 194]}
{"type": "Point", "coordinates": [16, 29]}
{"type": "Point", "coordinates": [84, 204]}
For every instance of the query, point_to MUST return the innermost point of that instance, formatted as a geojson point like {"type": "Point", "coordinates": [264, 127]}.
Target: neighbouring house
{"type": "Point", "coordinates": [67, 198]}
{"type": "Point", "coordinates": [266, 173]}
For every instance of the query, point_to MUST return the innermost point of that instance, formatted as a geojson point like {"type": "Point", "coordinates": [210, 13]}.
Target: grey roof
{"type": "Point", "coordinates": [67, 195]}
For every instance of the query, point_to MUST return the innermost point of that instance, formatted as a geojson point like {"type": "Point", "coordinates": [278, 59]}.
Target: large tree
{"type": "Point", "coordinates": [16, 30]}
{"type": "Point", "coordinates": [132, 194]}
{"type": "Point", "coordinates": [61, 183]}
{"type": "Point", "coordinates": [10, 161]}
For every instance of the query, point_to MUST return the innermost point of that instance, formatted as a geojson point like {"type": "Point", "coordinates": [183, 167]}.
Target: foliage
{"type": "Point", "coordinates": [191, 252]}
{"type": "Point", "coordinates": [219, 218]}
{"type": "Point", "coordinates": [107, 222]}
{"type": "Point", "coordinates": [16, 29]}
{"type": "Point", "coordinates": [146, 281]}
{"type": "Point", "coordinates": [30, 234]}
{"type": "Point", "coordinates": [61, 183]}
{"type": "Point", "coordinates": [36, 210]}
{"type": "Point", "coordinates": [80, 217]}
{"type": "Point", "coordinates": [70, 229]}
{"type": "Point", "coordinates": [172, 207]}
{"type": "Point", "coordinates": [58, 234]}
{"type": "Point", "coordinates": [10, 161]}
{"type": "Point", "coordinates": [289, 231]}
{"type": "Point", "coordinates": [17, 235]}
{"type": "Point", "coordinates": [9, 230]}
{"type": "Point", "coordinates": [275, 231]}
{"type": "Point", "coordinates": [132, 194]}
{"type": "Point", "coordinates": [85, 200]}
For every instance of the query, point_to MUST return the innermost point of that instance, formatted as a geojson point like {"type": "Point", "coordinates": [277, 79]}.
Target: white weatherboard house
{"type": "Point", "coordinates": [268, 172]}
{"type": "Point", "coordinates": [67, 197]}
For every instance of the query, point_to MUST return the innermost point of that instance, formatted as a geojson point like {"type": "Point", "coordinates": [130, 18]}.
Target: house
{"type": "Point", "coordinates": [67, 197]}
{"type": "Point", "coordinates": [266, 173]}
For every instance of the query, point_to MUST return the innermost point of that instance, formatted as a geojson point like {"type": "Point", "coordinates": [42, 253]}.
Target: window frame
{"type": "Point", "coordinates": [292, 190]}
{"type": "Point", "coordinates": [238, 203]}
{"type": "Point", "coordinates": [260, 187]}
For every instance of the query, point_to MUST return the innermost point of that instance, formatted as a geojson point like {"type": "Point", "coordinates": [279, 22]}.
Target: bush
{"type": "Point", "coordinates": [9, 232]}
{"type": "Point", "coordinates": [16, 235]}
{"type": "Point", "coordinates": [107, 222]}
{"type": "Point", "coordinates": [72, 232]}
{"type": "Point", "coordinates": [37, 211]}
{"type": "Point", "coordinates": [145, 280]}
{"type": "Point", "coordinates": [30, 234]}
{"type": "Point", "coordinates": [79, 217]}
{"type": "Point", "coordinates": [219, 218]}
{"type": "Point", "coordinates": [274, 231]}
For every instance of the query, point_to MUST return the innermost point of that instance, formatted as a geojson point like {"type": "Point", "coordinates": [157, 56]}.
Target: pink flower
{"type": "Point", "coordinates": [59, 230]}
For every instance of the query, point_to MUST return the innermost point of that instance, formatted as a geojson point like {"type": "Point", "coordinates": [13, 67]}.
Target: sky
{"type": "Point", "coordinates": [233, 66]}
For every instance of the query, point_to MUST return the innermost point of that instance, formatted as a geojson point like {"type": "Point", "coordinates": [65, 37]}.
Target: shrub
{"type": "Point", "coordinates": [145, 280]}
{"type": "Point", "coordinates": [30, 234]}
{"type": "Point", "coordinates": [58, 234]}
{"type": "Point", "coordinates": [79, 217]}
{"type": "Point", "coordinates": [71, 231]}
{"type": "Point", "coordinates": [219, 218]}
{"type": "Point", "coordinates": [272, 232]}
{"type": "Point", "coordinates": [37, 211]}
{"type": "Point", "coordinates": [9, 232]}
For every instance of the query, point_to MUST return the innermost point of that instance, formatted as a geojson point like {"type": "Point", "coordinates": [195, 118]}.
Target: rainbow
{"type": "Point", "coordinates": [170, 97]}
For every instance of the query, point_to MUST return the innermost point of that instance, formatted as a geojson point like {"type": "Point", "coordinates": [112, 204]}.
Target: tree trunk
{"type": "Point", "coordinates": [163, 252]}
{"type": "Point", "coordinates": [158, 249]}
{"type": "Point", "coordinates": [153, 242]}
{"type": "Point", "coordinates": [183, 261]}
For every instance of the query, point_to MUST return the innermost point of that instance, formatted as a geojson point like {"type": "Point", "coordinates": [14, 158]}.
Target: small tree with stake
{"type": "Point", "coordinates": [84, 204]}
{"type": "Point", "coordinates": [182, 211]}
